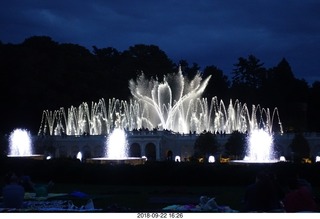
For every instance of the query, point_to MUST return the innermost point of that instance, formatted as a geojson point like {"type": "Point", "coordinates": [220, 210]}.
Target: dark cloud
{"type": "Point", "coordinates": [204, 31]}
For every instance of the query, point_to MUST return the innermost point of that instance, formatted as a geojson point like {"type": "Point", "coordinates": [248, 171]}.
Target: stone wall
{"type": "Point", "coordinates": [162, 145]}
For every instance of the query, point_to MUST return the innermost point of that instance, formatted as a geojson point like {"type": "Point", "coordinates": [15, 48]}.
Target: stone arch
{"type": "Point", "coordinates": [50, 151]}
{"type": "Point", "coordinates": [86, 153]}
{"type": "Point", "coordinates": [151, 151]}
{"type": "Point", "coordinates": [134, 150]}
{"type": "Point", "coordinates": [74, 151]}
{"type": "Point", "coordinates": [63, 152]}
{"type": "Point", "coordinates": [169, 155]}
{"type": "Point", "coordinates": [98, 151]}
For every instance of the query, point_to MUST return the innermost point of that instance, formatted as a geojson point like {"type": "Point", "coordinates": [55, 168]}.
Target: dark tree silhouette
{"type": "Point", "coordinates": [300, 147]}
{"type": "Point", "coordinates": [148, 59]}
{"type": "Point", "coordinates": [109, 60]}
{"type": "Point", "coordinates": [247, 79]}
{"type": "Point", "coordinates": [187, 71]}
{"type": "Point", "coordinates": [205, 145]}
{"type": "Point", "coordinates": [236, 145]}
{"type": "Point", "coordinates": [314, 107]}
{"type": "Point", "coordinates": [289, 95]}
{"type": "Point", "coordinates": [218, 84]}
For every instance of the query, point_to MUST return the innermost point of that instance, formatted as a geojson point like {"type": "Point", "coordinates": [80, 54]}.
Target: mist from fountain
{"type": "Point", "coordinates": [117, 145]}
{"type": "Point", "coordinates": [20, 143]}
{"type": "Point", "coordinates": [260, 148]}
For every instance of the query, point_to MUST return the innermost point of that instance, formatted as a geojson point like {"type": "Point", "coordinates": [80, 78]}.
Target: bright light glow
{"type": "Point", "coordinates": [211, 159]}
{"type": "Point", "coordinates": [177, 159]}
{"type": "Point", "coordinates": [282, 158]}
{"type": "Point", "coordinates": [48, 157]}
{"type": "Point", "coordinates": [79, 156]}
{"type": "Point", "coordinates": [144, 157]}
{"type": "Point", "coordinates": [117, 144]}
{"type": "Point", "coordinates": [20, 143]}
{"type": "Point", "coordinates": [317, 158]}
{"type": "Point", "coordinates": [260, 146]}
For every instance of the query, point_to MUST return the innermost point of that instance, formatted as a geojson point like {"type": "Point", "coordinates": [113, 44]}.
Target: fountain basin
{"type": "Point", "coordinates": [27, 157]}
{"type": "Point", "coordinates": [115, 161]}
{"type": "Point", "coordinates": [253, 162]}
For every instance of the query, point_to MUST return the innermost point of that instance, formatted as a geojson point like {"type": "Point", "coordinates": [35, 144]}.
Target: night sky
{"type": "Point", "coordinates": [207, 32]}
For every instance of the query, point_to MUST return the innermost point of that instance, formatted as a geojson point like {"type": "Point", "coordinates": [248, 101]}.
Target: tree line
{"type": "Point", "coordinates": [40, 74]}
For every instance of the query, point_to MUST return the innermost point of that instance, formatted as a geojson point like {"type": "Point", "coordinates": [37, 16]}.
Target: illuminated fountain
{"type": "Point", "coordinates": [174, 104]}
{"type": "Point", "coordinates": [117, 145]}
{"type": "Point", "coordinates": [260, 148]}
{"type": "Point", "coordinates": [20, 145]}
{"type": "Point", "coordinates": [116, 150]}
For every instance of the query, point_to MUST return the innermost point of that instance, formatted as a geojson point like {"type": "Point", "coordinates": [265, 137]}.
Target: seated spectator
{"type": "Point", "coordinates": [262, 196]}
{"type": "Point", "coordinates": [299, 198]}
{"type": "Point", "coordinates": [12, 192]}
{"type": "Point", "coordinates": [41, 190]}
{"type": "Point", "coordinates": [26, 182]}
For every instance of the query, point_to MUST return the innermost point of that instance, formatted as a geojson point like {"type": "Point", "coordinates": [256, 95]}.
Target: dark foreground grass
{"type": "Point", "coordinates": [154, 185]}
{"type": "Point", "coordinates": [151, 198]}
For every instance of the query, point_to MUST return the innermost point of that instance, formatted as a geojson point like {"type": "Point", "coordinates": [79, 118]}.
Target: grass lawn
{"type": "Point", "coordinates": [150, 198]}
{"type": "Point", "coordinates": [153, 186]}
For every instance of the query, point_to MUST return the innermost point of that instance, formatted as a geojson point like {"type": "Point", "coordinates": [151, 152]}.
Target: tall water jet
{"type": "Point", "coordinates": [260, 147]}
{"type": "Point", "coordinates": [117, 145]}
{"type": "Point", "coordinates": [116, 150]}
{"type": "Point", "coordinates": [20, 143]}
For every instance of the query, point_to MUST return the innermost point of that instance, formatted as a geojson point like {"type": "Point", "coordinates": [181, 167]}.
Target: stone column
{"type": "Point", "coordinates": [158, 151]}
{"type": "Point", "coordinates": [142, 148]}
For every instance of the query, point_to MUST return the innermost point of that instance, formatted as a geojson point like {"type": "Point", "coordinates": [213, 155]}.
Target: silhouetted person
{"type": "Point", "coordinates": [12, 192]}
{"type": "Point", "coordinates": [41, 190]}
{"type": "Point", "coordinates": [300, 197]}
{"type": "Point", "coordinates": [262, 195]}
{"type": "Point", "coordinates": [280, 191]}
{"type": "Point", "coordinates": [26, 182]}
